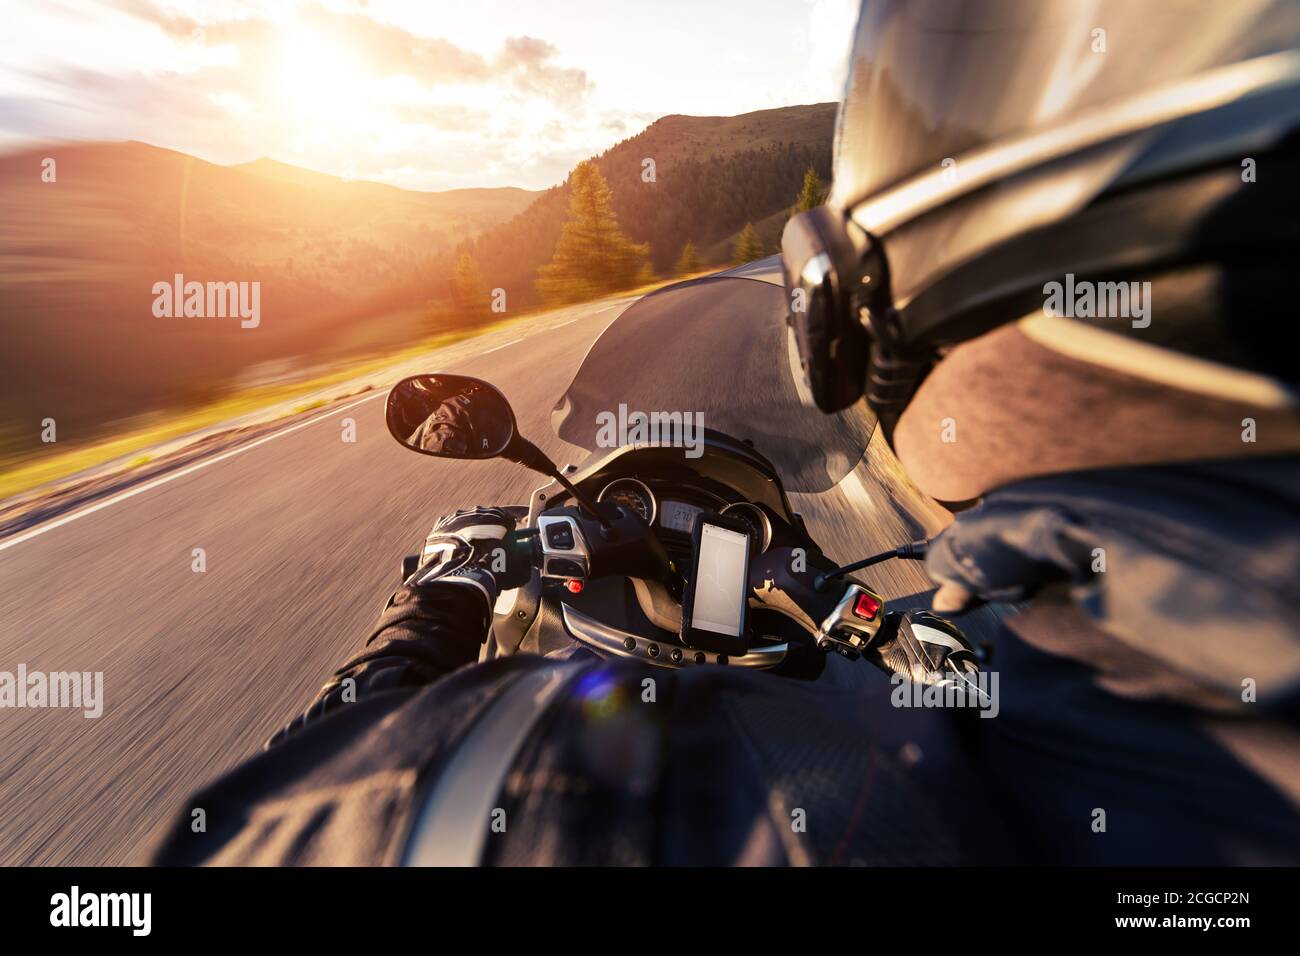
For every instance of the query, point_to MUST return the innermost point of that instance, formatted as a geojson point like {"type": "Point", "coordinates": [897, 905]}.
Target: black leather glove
{"type": "Point", "coordinates": [923, 648]}
{"type": "Point", "coordinates": [473, 548]}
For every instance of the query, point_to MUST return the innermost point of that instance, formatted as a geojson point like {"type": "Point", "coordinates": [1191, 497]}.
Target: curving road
{"type": "Point", "coordinates": [303, 533]}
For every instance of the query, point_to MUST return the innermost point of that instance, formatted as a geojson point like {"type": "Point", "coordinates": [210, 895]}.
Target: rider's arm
{"type": "Point", "coordinates": [433, 624]}
{"type": "Point", "coordinates": [426, 631]}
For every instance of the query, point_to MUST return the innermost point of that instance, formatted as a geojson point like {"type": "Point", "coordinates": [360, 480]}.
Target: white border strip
{"type": "Point", "coordinates": [71, 516]}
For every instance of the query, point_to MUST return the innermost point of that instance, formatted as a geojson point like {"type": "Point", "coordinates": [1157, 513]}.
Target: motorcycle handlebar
{"type": "Point", "coordinates": [781, 579]}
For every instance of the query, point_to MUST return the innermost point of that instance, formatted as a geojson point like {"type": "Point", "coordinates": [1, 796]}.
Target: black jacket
{"type": "Point", "coordinates": [709, 765]}
{"type": "Point", "coordinates": [1111, 746]}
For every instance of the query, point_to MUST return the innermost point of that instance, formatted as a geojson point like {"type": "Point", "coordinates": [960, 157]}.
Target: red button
{"type": "Point", "coordinates": [866, 607]}
{"type": "Point", "coordinates": [574, 585]}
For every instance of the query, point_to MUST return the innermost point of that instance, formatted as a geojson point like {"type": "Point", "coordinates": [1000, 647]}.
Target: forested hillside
{"type": "Point", "coordinates": [711, 176]}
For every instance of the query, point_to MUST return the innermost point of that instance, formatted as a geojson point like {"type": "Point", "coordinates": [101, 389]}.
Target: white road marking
{"type": "Point", "coordinates": [796, 370]}
{"type": "Point", "coordinates": [854, 489]}
{"type": "Point", "coordinates": [71, 516]}
{"type": "Point", "coordinates": [560, 325]}
{"type": "Point", "coordinates": [172, 476]}
{"type": "Point", "coordinates": [497, 348]}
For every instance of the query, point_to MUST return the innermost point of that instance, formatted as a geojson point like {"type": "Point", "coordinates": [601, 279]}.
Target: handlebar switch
{"type": "Point", "coordinates": [560, 536]}
{"type": "Point", "coordinates": [564, 550]}
{"type": "Point", "coordinates": [853, 623]}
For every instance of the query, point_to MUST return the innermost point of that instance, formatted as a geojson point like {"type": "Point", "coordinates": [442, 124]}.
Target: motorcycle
{"type": "Point", "coordinates": [616, 551]}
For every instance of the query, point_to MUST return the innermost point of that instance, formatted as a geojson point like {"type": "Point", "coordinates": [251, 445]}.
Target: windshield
{"type": "Point", "coordinates": [715, 348]}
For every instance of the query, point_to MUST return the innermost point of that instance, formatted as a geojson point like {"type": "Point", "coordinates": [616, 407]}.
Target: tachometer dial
{"type": "Point", "coordinates": [755, 519]}
{"type": "Point", "coordinates": [633, 495]}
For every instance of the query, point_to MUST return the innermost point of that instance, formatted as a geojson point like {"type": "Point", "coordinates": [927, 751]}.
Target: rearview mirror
{"type": "Point", "coordinates": [450, 416]}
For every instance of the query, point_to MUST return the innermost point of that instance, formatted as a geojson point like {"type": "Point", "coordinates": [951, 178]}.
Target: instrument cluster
{"type": "Point", "coordinates": [674, 510]}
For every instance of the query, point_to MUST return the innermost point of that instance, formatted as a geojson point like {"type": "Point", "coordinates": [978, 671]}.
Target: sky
{"type": "Point", "coordinates": [439, 94]}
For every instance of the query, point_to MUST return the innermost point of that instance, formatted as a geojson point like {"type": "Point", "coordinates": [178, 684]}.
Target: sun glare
{"type": "Point", "coordinates": [319, 82]}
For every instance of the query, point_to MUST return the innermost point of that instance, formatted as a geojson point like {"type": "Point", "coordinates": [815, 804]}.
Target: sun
{"type": "Point", "coordinates": [319, 81]}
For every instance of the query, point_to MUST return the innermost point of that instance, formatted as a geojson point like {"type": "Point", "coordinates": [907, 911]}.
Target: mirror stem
{"type": "Point", "coordinates": [586, 503]}
{"type": "Point", "coordinates": [913, 551]}
{"type": "Point", "coordinates": [524, 452]}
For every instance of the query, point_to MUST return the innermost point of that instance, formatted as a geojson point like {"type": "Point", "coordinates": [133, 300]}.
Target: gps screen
{"type": "Point", "coordinates": [721, 577]}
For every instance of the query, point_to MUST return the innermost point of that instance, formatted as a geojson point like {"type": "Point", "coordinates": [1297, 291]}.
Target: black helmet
{"type": "Point", "coordinates": [986, 148]}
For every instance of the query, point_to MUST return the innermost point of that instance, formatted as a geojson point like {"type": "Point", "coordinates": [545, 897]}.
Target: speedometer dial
{"type": "Point", "coordinates": [755, 519]}
{"type": "Point", "coordinates": [633, 495]}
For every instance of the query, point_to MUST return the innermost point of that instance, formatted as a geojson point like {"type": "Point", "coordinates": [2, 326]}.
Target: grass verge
{"type": "Point", "coordinates": [23, 473]}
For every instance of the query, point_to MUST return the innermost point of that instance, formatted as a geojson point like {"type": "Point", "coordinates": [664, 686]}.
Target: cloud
{"type": "Point", "coordinates": [171, 20]}
{"type": "Point", "coordinates": [331, 87]}
{"type": "Point", "coordinates": [89, 104]}
{"type": "Point", "coordinates": [387, 50]}
{"type": "Point", "coordinates": [452, 117]}
{"type": "Point", "coordinates": [381, 48]}
{"type": "Point", "coordinates": [527, 61]}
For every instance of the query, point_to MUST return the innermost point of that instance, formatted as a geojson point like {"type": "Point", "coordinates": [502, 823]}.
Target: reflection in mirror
{"type": "Point", "coordinates": [451, 416]}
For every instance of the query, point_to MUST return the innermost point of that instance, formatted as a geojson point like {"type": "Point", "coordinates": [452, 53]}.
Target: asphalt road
{"type": "Point", "coordinates": [303, 533]}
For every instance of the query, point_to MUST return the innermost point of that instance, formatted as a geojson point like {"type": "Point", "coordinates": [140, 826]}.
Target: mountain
{"type": "Point", "coordinates": [79, 257]}
{"type": "Point", "coordinates": [474, 207]}
{"type": "Point", "coordinates": [344, 267]}
{"type": "Point", "coordinates": [712, 174]}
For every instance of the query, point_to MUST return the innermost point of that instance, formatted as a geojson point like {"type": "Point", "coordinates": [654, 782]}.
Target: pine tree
{"type": "Point", "coordinates": [748, 246]}
{"type": "Point", "coordinates": [469, 293]}
{"type": "Point", "coordinates": [592, 256]}
{"type": "Point", "coordinates": [813, 193]}
{"type": "Point", "coordinates": [689, 260]}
